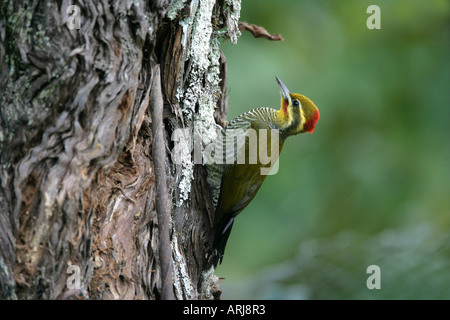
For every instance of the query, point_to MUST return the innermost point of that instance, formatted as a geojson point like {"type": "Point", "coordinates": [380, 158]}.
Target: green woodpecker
{"type": "Point", "coordinates": [239, 182]}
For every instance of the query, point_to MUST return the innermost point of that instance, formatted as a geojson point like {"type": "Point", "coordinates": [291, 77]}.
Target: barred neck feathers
{"type": "Point", "coordinates": [259, 118]}
{"type": "Point", "coordinates": [267, 118]}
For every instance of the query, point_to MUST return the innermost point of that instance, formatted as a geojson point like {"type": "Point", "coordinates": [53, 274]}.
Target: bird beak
{"type": "Point", "coordinates": [284, 91]}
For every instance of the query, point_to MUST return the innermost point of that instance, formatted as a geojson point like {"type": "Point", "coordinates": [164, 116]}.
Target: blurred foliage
{"type": "Point", "coordinates": [414, 264]}
{"type": "Point", "coordinates": [372, 184]}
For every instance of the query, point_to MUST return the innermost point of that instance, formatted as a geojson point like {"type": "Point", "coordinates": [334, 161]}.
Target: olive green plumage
{"type": "Point", "coordinates": [235, 184]}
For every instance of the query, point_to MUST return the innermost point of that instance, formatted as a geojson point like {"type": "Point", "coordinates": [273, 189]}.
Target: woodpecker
{"type": "Point", "coordinates": [239, 182]}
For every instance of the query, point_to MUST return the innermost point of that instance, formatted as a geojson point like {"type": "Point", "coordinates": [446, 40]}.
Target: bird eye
{"type": "Point", "coordinates": [296, 103]}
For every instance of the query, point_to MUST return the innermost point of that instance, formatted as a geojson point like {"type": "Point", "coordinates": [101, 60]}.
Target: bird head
{"type": "Point", "coordinates": [297, 114]}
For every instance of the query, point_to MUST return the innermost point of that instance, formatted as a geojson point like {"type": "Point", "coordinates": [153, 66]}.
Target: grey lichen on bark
{"type": "Point", "coordinates": [199, 95]}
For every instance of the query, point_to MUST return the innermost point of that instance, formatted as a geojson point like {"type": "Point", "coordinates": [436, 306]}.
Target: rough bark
{"type": "Point", "coordinates": [80, 184]}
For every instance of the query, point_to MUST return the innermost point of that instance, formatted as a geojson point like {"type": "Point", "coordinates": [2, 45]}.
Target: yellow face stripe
{"type": "Point", "coordinates": [287, 115]}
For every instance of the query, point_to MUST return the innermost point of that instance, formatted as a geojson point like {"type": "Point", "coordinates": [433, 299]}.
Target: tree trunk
{"type": "Point", "coordinates": [95, 202]}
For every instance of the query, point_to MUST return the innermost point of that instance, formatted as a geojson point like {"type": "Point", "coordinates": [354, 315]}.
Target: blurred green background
{"type": "Point", "coordinates": [371, 186]}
